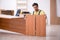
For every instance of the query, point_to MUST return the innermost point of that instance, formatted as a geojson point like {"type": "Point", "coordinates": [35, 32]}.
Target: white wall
{"type": "Point", "coordinates": [58, 7]}
{"type": "Point", "coordinates": [43, 5]}
{"type": "Point", "coordinates": [0, 4]}
{"type": "Point", "coordinates": [8, 4]}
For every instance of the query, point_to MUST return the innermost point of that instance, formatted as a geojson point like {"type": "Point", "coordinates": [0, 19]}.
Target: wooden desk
{"type": "Point", "coordinates": [15, 24]}
{"type": "Point", "coordinates": [30, 25]}
{"type": "Point", "coordinates": [11, 23]}
{"type": "Point", "coordinates": [18, 24]}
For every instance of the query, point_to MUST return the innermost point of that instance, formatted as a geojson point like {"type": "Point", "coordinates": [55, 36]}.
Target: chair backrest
{"type": "Point", "coordinates": [18, 12]}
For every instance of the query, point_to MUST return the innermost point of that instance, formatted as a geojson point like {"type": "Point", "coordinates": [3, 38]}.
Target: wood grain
{"type": "Point", "coordinates": [33, 25]}
{"type": "Point", "coordinates": [40, 25]}
{"type": "Point", "coordinates": [30, 25]}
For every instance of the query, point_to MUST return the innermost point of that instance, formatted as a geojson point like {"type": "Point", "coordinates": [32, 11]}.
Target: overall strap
{"type": "Point", "coordinates": [38, 13]}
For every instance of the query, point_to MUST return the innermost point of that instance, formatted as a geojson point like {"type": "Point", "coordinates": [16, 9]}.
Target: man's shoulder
{"type": "Point", "coordinates": [42, 11]}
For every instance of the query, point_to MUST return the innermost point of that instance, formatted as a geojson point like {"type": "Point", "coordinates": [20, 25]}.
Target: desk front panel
{"type": "Point", "coordinates": [16, 25]}
{"type": "Point", "coordinates": [40, 25]}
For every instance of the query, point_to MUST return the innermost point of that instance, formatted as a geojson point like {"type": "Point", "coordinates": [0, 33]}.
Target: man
{"type": "Point", "coordinates": [36, 10]}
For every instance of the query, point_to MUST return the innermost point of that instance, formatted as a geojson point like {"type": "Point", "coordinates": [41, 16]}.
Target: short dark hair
{"type": "Point", "coordinates": [35, 4]}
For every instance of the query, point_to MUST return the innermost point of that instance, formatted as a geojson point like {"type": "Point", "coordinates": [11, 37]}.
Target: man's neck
{"type": "Point", "coordinates": [37, 10]}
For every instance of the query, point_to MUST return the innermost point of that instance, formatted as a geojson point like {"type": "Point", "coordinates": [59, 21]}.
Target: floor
{"type": "Point", "coordinates": [52, 33]}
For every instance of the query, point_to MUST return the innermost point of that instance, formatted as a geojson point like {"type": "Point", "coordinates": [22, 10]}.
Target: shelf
{"type": "Point", "coordinates": [22, 4]}
{"type": "Point", "coordinates": [21, 0]}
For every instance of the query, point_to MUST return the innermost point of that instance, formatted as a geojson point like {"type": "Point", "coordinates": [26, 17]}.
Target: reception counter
{"type": "Point", "coordinates": [12, 23]}
{"type": "Point", "coordinates": [29, 25]}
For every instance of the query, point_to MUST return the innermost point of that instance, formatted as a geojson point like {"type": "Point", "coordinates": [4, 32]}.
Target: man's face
{"type": "Point", "coordinates": [35, 8]}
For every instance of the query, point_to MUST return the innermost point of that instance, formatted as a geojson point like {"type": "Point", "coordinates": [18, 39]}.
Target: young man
{"type": "Point", "coordinates": [37, 11]}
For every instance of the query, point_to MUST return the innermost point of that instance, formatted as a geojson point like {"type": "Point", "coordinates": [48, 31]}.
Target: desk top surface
{"type": "Point", "coordinates": [9, 16]}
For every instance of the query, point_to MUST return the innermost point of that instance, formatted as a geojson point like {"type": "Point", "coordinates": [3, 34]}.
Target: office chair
{"type": "Point", "coordinates": [18, 12]}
